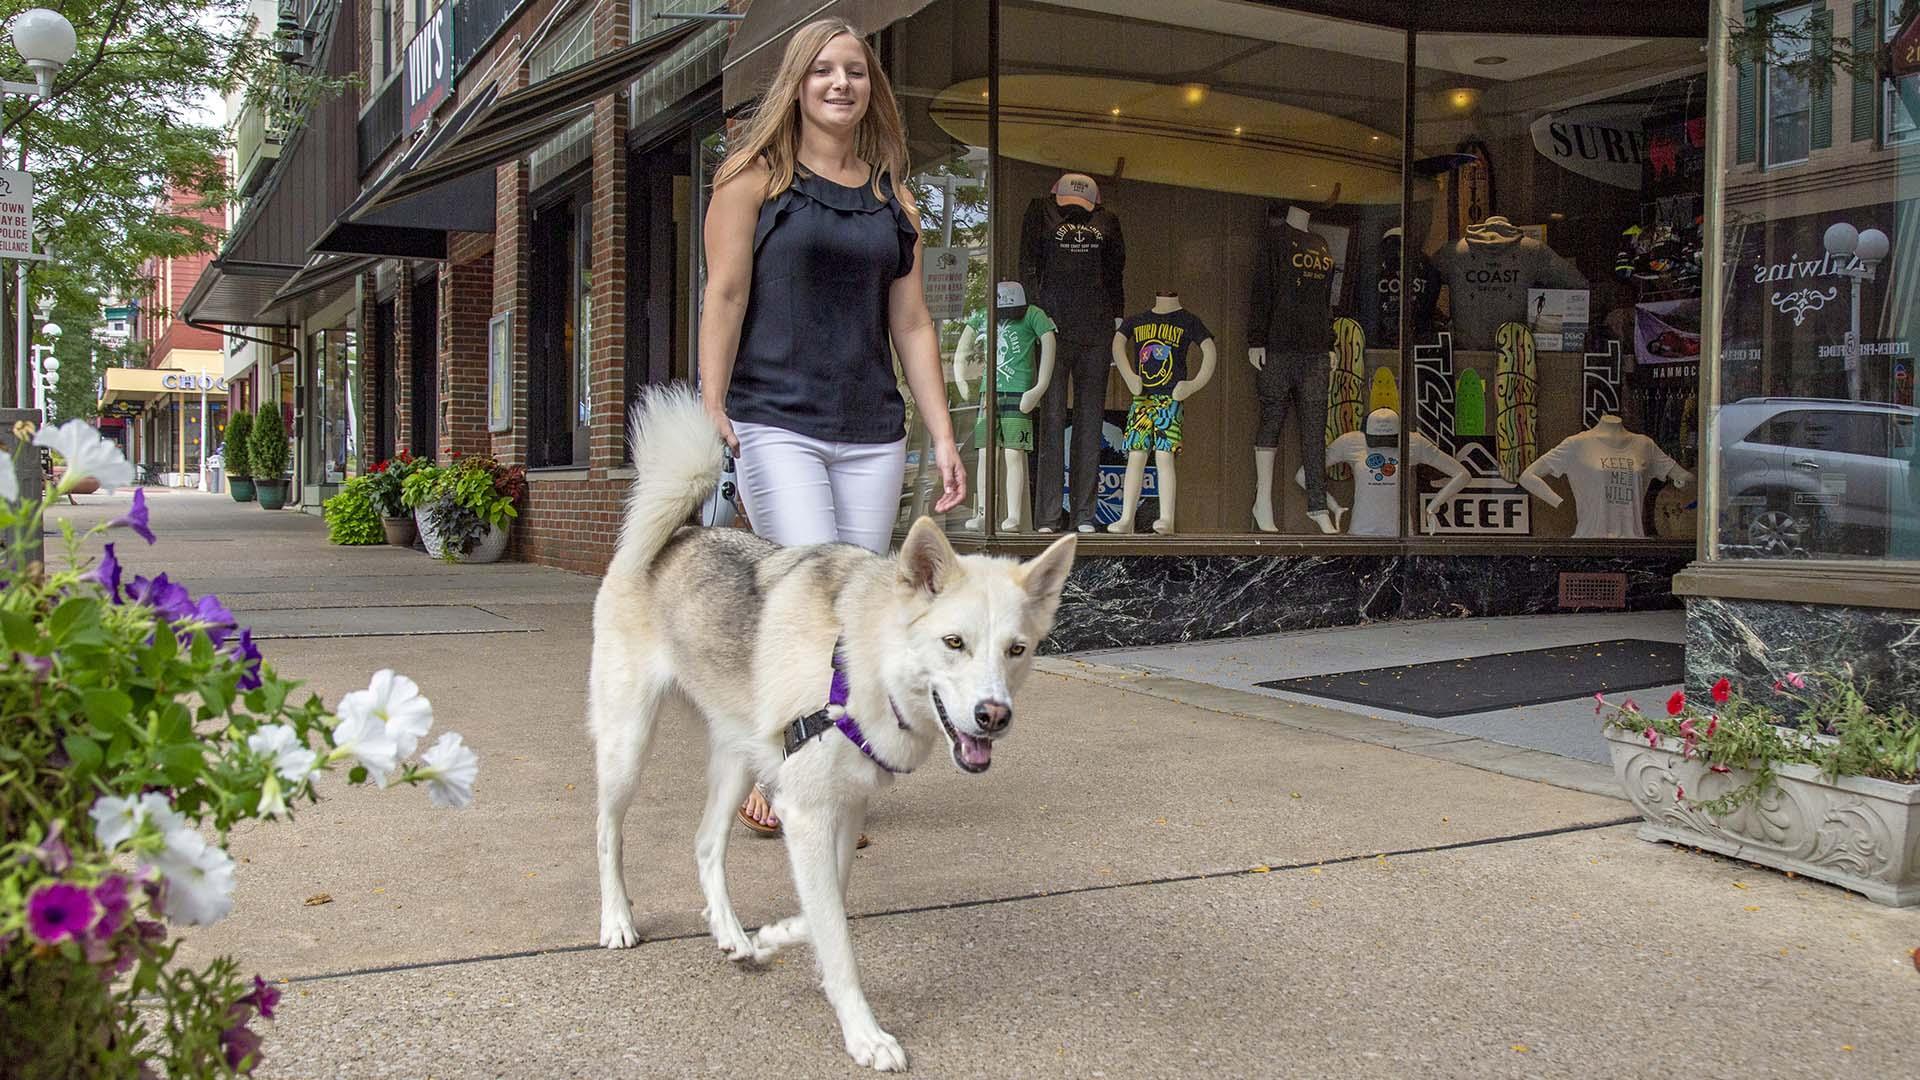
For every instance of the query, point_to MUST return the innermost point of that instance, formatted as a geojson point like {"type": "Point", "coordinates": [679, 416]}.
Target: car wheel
{"type": "Point", "coordinates": [1776, 533]}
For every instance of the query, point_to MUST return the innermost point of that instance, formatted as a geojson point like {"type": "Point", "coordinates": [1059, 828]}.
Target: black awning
{"type": "Point", "coordinates": [757, 47]}
{"type": "Point", "coordinates": [233, 293]}
{"type": "Point", "coordinates": [520, 121]}
{"type": "Point", "coordinates": [322, 281]}
{"type": "Point", "coordinates": [416, 226]}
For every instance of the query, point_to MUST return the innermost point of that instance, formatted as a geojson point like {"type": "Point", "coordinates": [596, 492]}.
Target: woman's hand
{"type": "Point", "coordinates": [952, 474]}
{"type": "Point", "coordinates": [724, 427]}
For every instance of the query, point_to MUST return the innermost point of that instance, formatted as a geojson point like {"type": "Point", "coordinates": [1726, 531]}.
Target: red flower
{"type": "Point", "coordinates": [1720, 768]}
{"type": "Point", "coordinates": [1680, 793]}
{"type": "Point", "coordinates": [1676, 703]}
{"type": "Point", "coordinates": [1713, 725]}
{"type": "Point", "coordinates": [1722, 690]}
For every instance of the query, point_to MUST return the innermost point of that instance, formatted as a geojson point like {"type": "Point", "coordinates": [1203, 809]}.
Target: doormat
{"type": "Point", "coordinates": [1479, 684]}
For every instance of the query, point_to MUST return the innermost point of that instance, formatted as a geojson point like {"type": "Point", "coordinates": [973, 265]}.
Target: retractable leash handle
{"type": "Point", "coordinates": [722, 508]}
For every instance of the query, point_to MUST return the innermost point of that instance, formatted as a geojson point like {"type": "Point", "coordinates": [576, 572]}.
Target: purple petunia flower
{"type": "Point", "coordinates": [263, 997]}
{"type": "Point", "coordinates": [59, 911]}
{"type": "Point", "coordinates": [54, 854]}
{"type": "Point", "coordinates": [136, 518]}
{"type": "Point", "coordinates": [240, 1043]}
{"type": "Point", "coordinates": [41, 666]}
{"type": "Point", "coordinates": [151, 932]}
{"type": "Point", "coordinates": [219, 622]}
{"type": "Point", "coordinates": [168, 599]}
{"type": "Point", "coordinates": [111, 895]}
{"type": "Point", "coordinates": [244, 650]}
{"type": "Point", "coordinates": [108, 574]}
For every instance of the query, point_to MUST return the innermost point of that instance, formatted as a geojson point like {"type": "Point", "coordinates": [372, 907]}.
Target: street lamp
{"type": "Point", "coordinates": [46, 370]}
{"type": "Point", "coordinates": [46, 41]}
{"type": "Point", "coordinates": [1860, 252]}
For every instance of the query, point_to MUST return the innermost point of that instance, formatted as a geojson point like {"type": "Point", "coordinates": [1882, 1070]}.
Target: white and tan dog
{"type": "Point", "coordinates": [930, 647]}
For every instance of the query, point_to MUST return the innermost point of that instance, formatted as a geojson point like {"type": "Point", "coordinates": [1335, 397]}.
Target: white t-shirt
{"type": "Point", "coordinates": [1608, 468]}
{"type": "Point", "coordinates": [1376, 479]}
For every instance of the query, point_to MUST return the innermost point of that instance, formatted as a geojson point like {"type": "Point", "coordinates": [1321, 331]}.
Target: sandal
{"type": "Point", "coordinates": [749, 821]}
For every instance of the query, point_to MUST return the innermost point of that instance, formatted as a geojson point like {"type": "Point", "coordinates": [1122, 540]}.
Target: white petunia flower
{"type": "Point", "coordinates": [86, 453]}
{"type": "Point", "coordinates": [273, 802]}
{"type": "Point", "coordinates": [199, 879]}
{"type": "Point", "coordinates": [450, 770]}
{"type": "Point", "coordinates": [282, 745]}
{"type": "Point", "coordinates": [395, 701]}
{"type": "Point", "coordinates": [365, 739]}
{"type": "Point", "coordinates": [115, 819]}
{"type": "Point", "coordinates": [9, 483]}
{"type": "Point", "coordinates": [154, 807]}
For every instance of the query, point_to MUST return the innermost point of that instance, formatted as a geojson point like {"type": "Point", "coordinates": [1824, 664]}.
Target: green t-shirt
{"type": "Point", "coordinates": [1017, 357]}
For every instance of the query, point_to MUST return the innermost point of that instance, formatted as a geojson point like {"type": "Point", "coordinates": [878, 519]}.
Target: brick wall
{"type": "Point", "coordinates": [466, 302]}
{"type": "Point", "coordinates": [403, 358]}
{"type": "Point", "coordinates": [369, 375]}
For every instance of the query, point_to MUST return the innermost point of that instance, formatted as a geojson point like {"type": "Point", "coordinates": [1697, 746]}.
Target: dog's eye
{"type": "Point", "coordinates": [953, 642]}
{"type": "Point", "coordinates": [1017, 649]}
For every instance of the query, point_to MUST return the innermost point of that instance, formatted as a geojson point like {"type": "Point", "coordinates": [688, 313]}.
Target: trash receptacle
{"type": "Point", "coordinates": [215, 467]}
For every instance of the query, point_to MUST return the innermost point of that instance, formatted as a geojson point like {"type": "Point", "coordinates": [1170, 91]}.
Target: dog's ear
{"type": "Point", "coordinates": [1046, 574]}
{"type": "Point", "coordinates": [927, 562]}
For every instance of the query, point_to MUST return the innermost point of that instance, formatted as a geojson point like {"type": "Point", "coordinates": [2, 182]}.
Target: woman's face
{"type": "Point", "coordinates": [835, 92]}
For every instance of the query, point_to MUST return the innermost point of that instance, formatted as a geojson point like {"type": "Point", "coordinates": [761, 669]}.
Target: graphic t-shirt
{"type": "Point", "coordinates": [1292, 292]}
{"type": "Point", "coordinates": [1487, 275]}
{"type": "Point", "coordinates": [1376, 478]}
{"type": "Point", "coordinates": [1158, 343]}
{"type": "Point", "coordinates": [1608, 468]}
{"type": "Point", "coordinates": [1016, 356]}
{"type": "Point", "coordinates": [1072, 260]}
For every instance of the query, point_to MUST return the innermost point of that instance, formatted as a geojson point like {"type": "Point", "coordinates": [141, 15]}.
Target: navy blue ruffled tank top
{"type": "Point", "coordinates": [814, 354]}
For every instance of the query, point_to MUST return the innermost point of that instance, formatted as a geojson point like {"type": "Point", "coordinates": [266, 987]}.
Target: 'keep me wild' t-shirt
{"type": "Point", "coordinates": [1609, 475]}
{"type": "Point", "coordinates": [1158, 343]}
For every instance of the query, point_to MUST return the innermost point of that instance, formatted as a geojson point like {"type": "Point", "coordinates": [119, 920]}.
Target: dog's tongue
{"type": "Point", "coordinates": [974, 751]}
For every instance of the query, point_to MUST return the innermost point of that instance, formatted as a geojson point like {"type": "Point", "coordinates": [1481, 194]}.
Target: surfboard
{"type": "Point", "coordinates": [1345, 399]}
{"type": "Point", "coordinates": [1516, 389]}
{"type": "Point", "coordinates": [1386, 390]}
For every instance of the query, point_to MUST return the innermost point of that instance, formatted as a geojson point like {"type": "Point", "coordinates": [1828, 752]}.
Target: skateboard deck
{"type": "Point", "coordinates": [1386, 390]}
{"type": "Point", "coordinates": [1345, 397]}
{"type": "Point", "coordinates": [1469, 404]}
{"type": "Point", "coordinates": [1516, 388]}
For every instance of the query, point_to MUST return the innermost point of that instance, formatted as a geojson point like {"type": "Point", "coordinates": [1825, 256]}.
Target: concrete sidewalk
{"type": "Point", "coordinates": [1142, 886]}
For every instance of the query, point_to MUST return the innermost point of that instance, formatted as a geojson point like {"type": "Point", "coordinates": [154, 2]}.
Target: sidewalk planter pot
{"type": "Point", "coordinates": [491, 546]}
{"type": "Point", "coordinates": [1854, 831]}
{"type": "Point", "coordinates": [271, 493]}
{"type": "Point", "coordinates": [242, 488]}
{"type": "Point", "coordinates": [400, 530]}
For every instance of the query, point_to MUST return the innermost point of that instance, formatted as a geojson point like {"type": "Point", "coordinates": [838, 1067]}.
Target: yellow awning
{"type": "Point", "coordinates": [152, 384]}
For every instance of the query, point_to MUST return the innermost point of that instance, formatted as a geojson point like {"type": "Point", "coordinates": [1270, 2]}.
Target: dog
{"type": "Point", "coordinates": [921, 651]}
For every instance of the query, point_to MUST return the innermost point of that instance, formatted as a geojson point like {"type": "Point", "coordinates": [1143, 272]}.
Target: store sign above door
{"type": "Point", "coordinates": [1602, 143]}
{"type": "Point", "coordinates": [194, 382]}
{"type": "Point", "coordinates": [1904, 57]}
{"type": "Point", "coordinates": [428, 68]}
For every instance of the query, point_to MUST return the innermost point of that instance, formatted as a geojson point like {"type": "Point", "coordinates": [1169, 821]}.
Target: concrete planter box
{"type": "Point", "coordinates": [1855, 832]}
{"type": "Point", "coordinates": [492, 545]}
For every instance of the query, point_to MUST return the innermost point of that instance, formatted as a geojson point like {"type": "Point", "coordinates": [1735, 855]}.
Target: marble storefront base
{"type": "Point", "coordinates": [1757, 641]}
{"type": "Point", "coordinates": [1133, 600]}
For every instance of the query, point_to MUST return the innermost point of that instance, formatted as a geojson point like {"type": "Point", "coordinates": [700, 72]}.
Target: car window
{"type": "Point", "coordinates": [1903, 435]}
{"type": "Point", "coordinates": [1780, 430]}
{"type": "Point", "coordinates": [1832, 431]}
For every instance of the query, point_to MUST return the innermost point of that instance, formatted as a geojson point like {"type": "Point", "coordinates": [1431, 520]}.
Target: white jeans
{"type": "Point", "coordinates": [800, 490]}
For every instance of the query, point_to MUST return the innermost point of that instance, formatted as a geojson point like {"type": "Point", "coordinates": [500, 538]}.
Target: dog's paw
{"type": "Point", "coordinates": [877, 1050]}
{"type": "Point", "coordinates": [773, 937]}
{"type": "Point", "coordinates": [730, 937]}
{"type": "Point", "coordinates": [616, 930]}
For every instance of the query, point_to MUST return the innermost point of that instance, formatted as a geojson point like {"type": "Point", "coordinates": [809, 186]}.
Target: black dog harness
{"type": "Point", "coordinates": [836, 717]}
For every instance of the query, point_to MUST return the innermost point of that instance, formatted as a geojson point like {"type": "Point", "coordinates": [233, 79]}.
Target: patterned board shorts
{"type": "Point", "coordinates": [1014, 428]}
{"type": "Point", "coordinates": [1153, 423]}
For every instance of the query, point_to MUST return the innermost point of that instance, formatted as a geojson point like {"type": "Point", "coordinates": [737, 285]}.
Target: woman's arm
{"type": "Point", "coordinates": [731, 216]}
{"type": "Point", "coordinates": [917, 343]}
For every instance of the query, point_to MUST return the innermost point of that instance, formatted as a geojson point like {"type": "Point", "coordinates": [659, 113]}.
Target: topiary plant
{"type": "Point", "coordinates": [352, 517]}
{"type": "Point", "coordinates": [234, 453]}
{"type": "Point", "coordinates": [267, 444]}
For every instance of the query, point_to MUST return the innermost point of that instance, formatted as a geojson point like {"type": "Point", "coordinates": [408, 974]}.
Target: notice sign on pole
{"type": "Point", "coordinates": [944, 271]}
{"type": "Point", "coordinates": [16, 214]}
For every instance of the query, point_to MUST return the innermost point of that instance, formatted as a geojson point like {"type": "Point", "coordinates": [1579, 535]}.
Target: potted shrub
{"type": "Point", "coordinates": [234, 454]}
{"type": "Point", "coordinates": [351, 516]}
{"type": "Point", "coordinates": [464, 509]}
{"type": "Point", "coordinates": [1809, 778]}
{"type": "Point", "coordinates": [267, 456]}
{"type": "Point", "coordinates": [387, 484]}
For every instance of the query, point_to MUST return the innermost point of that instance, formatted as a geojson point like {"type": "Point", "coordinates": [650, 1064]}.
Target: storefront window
{"type": "Point", "coordinates": [1818, 307]}
{"type": "Point", "coordinates": [1789, 98]}
{"type": "Point", "coordinates": [337, 391]}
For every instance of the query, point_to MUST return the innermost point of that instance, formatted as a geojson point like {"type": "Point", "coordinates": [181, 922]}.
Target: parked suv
{"type": "Point", "coordinates": [1814, 476]}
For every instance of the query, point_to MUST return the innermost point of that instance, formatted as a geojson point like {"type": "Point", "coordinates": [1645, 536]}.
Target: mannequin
{"type": "Point", "coordinates": [1160, 340]}
{"type": "Point", "coordinates": [1015, 391]}
{"type": "Point", "coordinates": [1608, 468]}
{"type": "Point", "coordinates": [1374, 456]}
{"type": "Point", "coordinates": [1487, 274]}
{"type": "Point", "coordinates": [1289, 332]}
{"type": "Point", "coordinates": [1421, 290]}
{"type": "Point", "coordinates": [1072, 260]}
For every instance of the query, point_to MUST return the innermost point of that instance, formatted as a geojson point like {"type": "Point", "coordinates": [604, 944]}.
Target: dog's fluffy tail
{"type": "Point", "coordinates": [677, 457]}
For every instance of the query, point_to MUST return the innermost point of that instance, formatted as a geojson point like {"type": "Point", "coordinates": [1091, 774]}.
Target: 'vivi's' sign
{"type": "Point", "coordinates": [428, 67]}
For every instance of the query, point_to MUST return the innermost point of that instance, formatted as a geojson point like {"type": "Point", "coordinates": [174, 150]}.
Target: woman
{"type": "Point", "coordinates": [813, 270]}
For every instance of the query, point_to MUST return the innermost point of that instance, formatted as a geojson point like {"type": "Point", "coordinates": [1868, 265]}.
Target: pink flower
{"type": "Point", "coordinates": [1599, 703]}
{"type": "Point", "coordinates": [1722, 690]}
{"type": "Point", "coordinates": [1797, 680]}
{"type": "Point", "coordinates": [1680, 793]}
{"type": "Point", "coordinates": [1677, 703]}
{"type": "Point", "coordinates": [1713, 725]}
{"type": "Point", "coordinates": [1652, 737]}
{"type": "Point", "coordinates": [1686, 729]}
{"type": "Point", "coordinates": [1778, 686]}
{"type": "Point", "coordinates": [1719, 768]}
{"type": "Point", "coordinates": [1630, 706]}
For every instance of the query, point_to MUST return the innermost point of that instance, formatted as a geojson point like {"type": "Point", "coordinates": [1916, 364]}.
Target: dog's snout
{"type": "Point", "coordinates": [993, 716]}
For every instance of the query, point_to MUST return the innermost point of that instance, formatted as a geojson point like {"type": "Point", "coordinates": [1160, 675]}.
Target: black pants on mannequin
{"type": "Point", "coordinates": [1086, 367]}
{"type": "Point", "coordinates": [1297, 380]}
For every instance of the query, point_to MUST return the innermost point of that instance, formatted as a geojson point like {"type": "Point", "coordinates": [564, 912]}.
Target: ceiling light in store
{"type": "Point", "coordinates": [1238, 130]}
{"type": "Point", "coordinates": [1115, 110]}
{"type": "Point", "coordinates": [1463, 98]}
{"type": "Point", "coordinates": [1194, 94]}
{"type": "Point", "coordinates": [1490, 61]}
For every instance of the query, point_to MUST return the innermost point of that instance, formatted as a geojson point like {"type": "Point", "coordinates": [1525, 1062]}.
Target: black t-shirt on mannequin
{"type": "Point", "coordinates": [1157, 342]}
{"type": "Point", "coordinates": [1292, 292]}
{"type": "Point", "coordinates": [1072, 260]}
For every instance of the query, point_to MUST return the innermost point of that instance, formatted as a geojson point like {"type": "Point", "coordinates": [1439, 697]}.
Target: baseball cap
{"type": "Point", "coordinates": [1009, 294]}
{"type": "Point", "coordinates": [1077, 186]}
{"type": "Point", "coordinates": [1383, 427]}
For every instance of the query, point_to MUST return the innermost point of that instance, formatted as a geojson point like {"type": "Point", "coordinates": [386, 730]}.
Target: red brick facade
{"type": "Point", "coordinates": [169, 280]}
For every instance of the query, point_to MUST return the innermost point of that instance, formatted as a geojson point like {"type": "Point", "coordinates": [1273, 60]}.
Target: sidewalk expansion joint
{"type": "Point", "coordinates": [1017, 898]}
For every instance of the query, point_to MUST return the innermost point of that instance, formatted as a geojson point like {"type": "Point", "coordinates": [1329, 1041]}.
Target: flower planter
{"type": "Point", "coordinates": [242, 488]}
{"type": "Point", "coordinates": [400, 530]}
{"type": "Point", "coordinates": [271, 493]}
{"type": "Point", "coordinates": [490, 548]}
{"type": "Point", "coordinates": [1854, 831]}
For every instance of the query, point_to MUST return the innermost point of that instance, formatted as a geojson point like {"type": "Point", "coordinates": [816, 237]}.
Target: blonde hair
{"type": "Point", "coordinates": [773, 132]}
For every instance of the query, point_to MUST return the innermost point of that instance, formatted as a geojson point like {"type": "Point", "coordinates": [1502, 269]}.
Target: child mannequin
{"type": "Point", "coordinates": [1017, 389]}
{"type": "Point", "coordinates": [1159, 340]}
